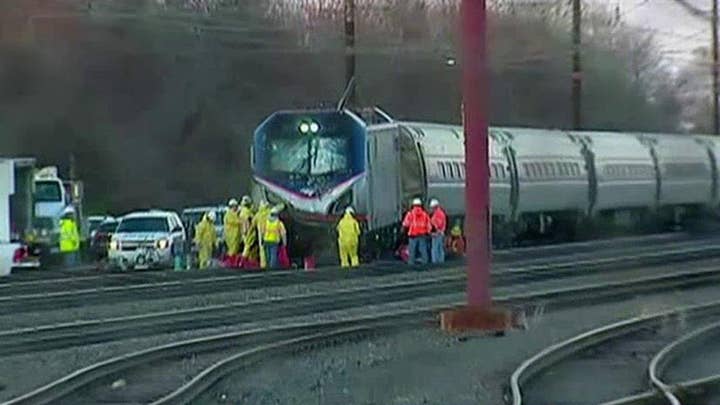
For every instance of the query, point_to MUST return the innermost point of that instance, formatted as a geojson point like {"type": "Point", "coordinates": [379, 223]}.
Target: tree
{"type": "Point", "coordinates": [159, 99]}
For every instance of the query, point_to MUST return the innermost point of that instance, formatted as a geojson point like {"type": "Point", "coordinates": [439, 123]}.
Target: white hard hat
{"type": "Point", "coordinates": [211, 215]}
{"type": "Point", "coordinates": [434, 203]}
{"type": "Point", "coordinates": [232, 202]}
{"type": "Point", "coordinates": [349, 210]}
{"type": "Point", "coordinates": [68, 211]}
{"type": "Point", "coordinates": [246, 200]}
{"type": "Point", "coordinates": [416, 201]}
{"type": "Point", "coordinates": [275, 211]}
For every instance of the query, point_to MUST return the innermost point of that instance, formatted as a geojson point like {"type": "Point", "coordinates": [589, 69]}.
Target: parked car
{"type": "Point", "coordinates": [192, 215]}
{"type": "Point", "coordinates": [146, 239]}
{"type": "Point", "coordinates": [100, 241]}
{"type": "Point", "coordinates": [94, 222]}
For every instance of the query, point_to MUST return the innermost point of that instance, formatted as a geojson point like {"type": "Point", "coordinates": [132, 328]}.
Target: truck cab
{"type": "Point", "coordinates": [50, 200]}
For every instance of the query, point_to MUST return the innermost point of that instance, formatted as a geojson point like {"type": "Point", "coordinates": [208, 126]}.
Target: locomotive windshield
{"type": "Point", "coordinates": [313, 156]}
{"type": "Point", "coordinates": [309, 153]}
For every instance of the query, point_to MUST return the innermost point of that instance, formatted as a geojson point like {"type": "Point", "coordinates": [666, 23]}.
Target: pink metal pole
{"type": "Point", "coordinates": [477, 190]}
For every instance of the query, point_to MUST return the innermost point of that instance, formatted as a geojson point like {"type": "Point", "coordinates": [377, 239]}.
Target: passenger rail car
{"type": "Point", "coordinates": [544, 183]}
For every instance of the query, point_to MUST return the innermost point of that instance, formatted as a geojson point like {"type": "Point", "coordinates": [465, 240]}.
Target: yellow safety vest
{"type": "Point", "coordinates": [272, 231]}
{"type": "Point", "coordinates": [69, 236]}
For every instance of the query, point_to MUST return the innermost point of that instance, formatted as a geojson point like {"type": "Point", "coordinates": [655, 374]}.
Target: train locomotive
{"type": "Point", "coordinates": [545, 184]}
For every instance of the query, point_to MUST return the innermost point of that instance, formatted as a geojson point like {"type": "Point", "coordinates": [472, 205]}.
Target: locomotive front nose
{"type": "Point", "coordinates": [307, 154]}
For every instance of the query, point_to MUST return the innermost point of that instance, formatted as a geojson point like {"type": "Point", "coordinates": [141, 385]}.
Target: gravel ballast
{"type": "Point", "coordinates": [430, 349]}
{"type": "Point", "coordinates": [426, 366]}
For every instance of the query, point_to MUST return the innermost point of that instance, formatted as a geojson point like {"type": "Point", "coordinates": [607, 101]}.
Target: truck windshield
{"type": "Point", "coordinates": [48, 191]}
{"type": "Point", "coordinates": [150, 224]}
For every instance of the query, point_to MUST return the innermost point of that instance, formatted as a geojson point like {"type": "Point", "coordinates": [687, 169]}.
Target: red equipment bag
{"type": "Point", "coordinates": [250, 264]}
{"type": "Point", "coordinates": [284, 257]}
{"type": "Point", "coordinates": [403, 253]}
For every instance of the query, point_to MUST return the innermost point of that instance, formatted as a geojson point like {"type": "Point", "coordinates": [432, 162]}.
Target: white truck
{"type": "Point", "coordinates": [52, 196]}
{"type": "Point", "coordinates": [16, 213]}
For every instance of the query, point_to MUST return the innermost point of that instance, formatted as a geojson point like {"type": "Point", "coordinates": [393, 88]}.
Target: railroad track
{"type": "Point", "coordinates": [614, 361]}
{"type": "Point", "coordinates": [684, 372]}
{"type": "Point", "coordinates": [77, 279]}
{"type": "Point", "coordinates": [84, 332]}
{"type": "Point", "coordinates": [510, 272]}
{"type": "Point", "coordinates": [216, 356]}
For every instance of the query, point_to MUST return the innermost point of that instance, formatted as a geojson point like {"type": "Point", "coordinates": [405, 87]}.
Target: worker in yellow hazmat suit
{"type": "Point", "coordinates": [258, 230]}
{"type": "Point", "coordinates": [348, 231]}
{"type": "Point", "coordinates": [245, 215]}
{"type": "Point", "coordinates": [251, 250]}
{"type": "Point", "coordinates": [205, 239]}
{"type": "Point", "coordinates": [232, 231]}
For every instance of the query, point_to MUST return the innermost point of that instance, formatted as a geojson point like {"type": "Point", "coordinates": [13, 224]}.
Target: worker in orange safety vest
{"type": "Point", "coordinates": [417, 223]}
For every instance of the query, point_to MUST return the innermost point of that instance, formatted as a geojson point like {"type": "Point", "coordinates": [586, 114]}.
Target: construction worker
{"type": "Point", "coordinates": [245, 215]}
{"type": "Point", "coordinates": [254, 237]}
{"type": "Point", "coordinates": [348, 231]}
{"type": "Point", "coordinates": [437, 238]}
{"type": "Point", "coordinates": [274, 235]}
{"type": "Point", "coordinates": [205, 239]}
{"type": "Point", "coordinates": [456, 241]}
{"type": "Point", "coordinates": [69, 238]}
{"type": "Point", "coordinates": [231, 225]}
{"type": "Point", "coordinates": [417, 223]}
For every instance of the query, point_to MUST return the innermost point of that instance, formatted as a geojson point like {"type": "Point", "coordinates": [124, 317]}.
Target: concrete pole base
{"type": "Point", "coordinates": [477, 319]}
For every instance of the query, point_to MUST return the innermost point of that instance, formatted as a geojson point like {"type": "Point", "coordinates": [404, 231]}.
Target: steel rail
{"type": "Point", "coordinates": [647, 242]}
{"type": "Point", "coordinates": [666, 391]}
{"type": "Point", "coordinates": [178, 288]}
{"type": "Point", "coordinates": [60, 335]}
{"type": "Point", "coordinates": [559, 351]}
{"type": "Point", "coordinates": [64, 386]}
{"type": "Point", "coordinates": [55, 336]}
{"type": "Point", "coordinates": [87, 375]}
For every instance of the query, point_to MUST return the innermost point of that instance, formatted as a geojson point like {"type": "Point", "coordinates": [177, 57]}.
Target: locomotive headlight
{"type": "Point", "coordinates": [304, 127]}
{"type": "Point", "coordinates": [114, 245]}
{"type": "Point", "coordinates": [314, 127]}
{"type": "Point", "coordinates": [162, 244]}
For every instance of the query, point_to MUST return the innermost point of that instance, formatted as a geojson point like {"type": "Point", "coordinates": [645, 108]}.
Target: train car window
{"type": "Point", "coordinates": [526, 169]}
{"type": "Point", "coordinates": [458, 170]}
{"type": "Point", "coordinates": [443, 174]}
{"type": "Point", "coordinates": [554, 169]}
{"type": "Point", "coordinates": [462, 165]}
{"type": "Point", "coordinates": [494, 171]}
{"type": "Point", "coordinates": [450, 170]}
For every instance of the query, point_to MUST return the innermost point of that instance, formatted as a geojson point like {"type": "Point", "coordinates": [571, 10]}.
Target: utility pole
{"type": "Point", "coordinates": [349, 11]}
{"type": "Point", "coordinates": [577, 63]}
{"type": "Point", "coordinates": [716, 107]}
{"type": "Point", "coordinates": [72, 171]}
{"type": "Point", "coordinates": [479, 313]}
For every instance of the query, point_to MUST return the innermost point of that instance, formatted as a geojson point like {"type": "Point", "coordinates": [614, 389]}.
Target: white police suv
{"type": "Point", "coordinates": [146, 240]}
